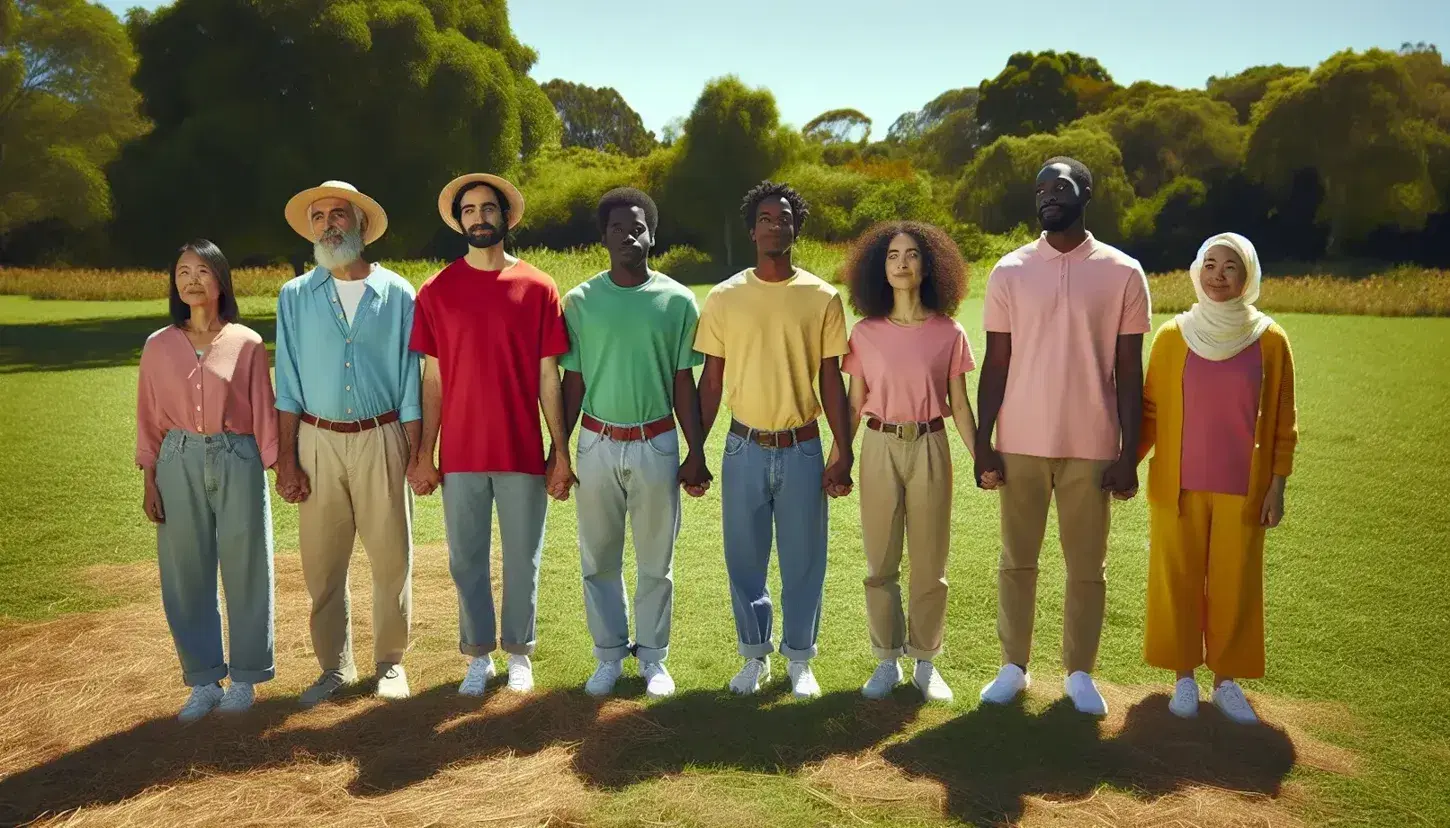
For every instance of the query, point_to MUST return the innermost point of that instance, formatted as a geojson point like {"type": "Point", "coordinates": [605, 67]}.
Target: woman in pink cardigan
{"type": "Point", "coordinates": [206, 428]}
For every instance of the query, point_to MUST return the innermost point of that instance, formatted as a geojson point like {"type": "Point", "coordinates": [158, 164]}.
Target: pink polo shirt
{"type": "Point", "coordinates": [228, 388]}
{"type": "Point", "coordinates": [1065, 312]}
{"type": "Point", "coordinates": [907, 370]}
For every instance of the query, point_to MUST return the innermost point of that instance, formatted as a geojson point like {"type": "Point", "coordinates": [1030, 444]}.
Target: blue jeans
{"type": "Point", "coordinates": [468, 500]}
{"type": "Point", "coordinates": [214, 494]}
{"type": "Point", "coordinates": [775, 488]}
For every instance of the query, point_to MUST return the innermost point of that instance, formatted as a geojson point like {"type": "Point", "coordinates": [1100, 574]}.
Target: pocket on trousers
{"type": "Point", "coordinates": [170, 447]}
{"type": "Point", "coordinates": [665, 445]}
{"type": "Point", "coordinates": [244, 447]}
{"type": "Point", "coordinates": [810, 448]}
{"type": "Point", "coordinates": [587, 441]}
{"type": "Point", "coordinates": [733, 444]}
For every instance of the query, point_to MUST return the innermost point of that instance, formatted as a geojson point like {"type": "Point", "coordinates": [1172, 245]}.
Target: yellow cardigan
{"type": "Point", "coordinates": [1276, 432]}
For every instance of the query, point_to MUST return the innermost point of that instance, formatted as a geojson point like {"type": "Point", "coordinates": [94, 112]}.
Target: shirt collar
{"type": "Point", "coordinates": [1078, 253]}
{"type": "Point", "coordinates": [374, 279]}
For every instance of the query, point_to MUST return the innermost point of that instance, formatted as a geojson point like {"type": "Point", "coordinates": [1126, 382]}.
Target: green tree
{"type": "Point", "coordinates": [598, 119]}
{"type": "Point", "coordinates": [1248, 87]}
{"type": "Point", "coordinates": [732, 140]}
{"type": "Point", "coordinates": [1170, 134]}
{"type": "Point", "coordinates": [254, 100]}
{"type": "Point", "coordinates": [913, 125]}
{"type": "Point", "coordinates": [563, 187]}
{"type": "Point", "coordinates": [996, 191]}
{"type": "Point", "coordinates": [1374, 168]}
{"type": "Point", "coordinates": [66, 105]}
{"type": "Point", "coordinates": [838, 127]}
{"type": "Point", "coordinates": [1039, 92]}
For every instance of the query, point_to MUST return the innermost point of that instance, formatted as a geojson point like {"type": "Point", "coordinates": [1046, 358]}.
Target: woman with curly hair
{"type": "Point", "coordinates": [908, 364]}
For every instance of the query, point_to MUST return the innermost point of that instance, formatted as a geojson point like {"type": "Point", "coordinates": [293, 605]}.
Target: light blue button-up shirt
{"type": "Point", "coordinates": [336, 371]}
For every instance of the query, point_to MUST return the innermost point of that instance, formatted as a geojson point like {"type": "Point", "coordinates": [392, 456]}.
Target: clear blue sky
{"type": "Point", "coordinates": [885, 58]}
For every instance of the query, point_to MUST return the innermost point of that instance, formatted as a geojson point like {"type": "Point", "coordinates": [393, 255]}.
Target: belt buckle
{"type": "Point", "coordinates": [768, 439]}
{"type": "Point", "coordinates": [908, 431]}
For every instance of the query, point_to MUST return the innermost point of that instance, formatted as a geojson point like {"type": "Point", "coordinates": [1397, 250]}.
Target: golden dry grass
{"type": "Point", "coordinates": [87, 738]}
{"type": "Point", "coordinates": [1401, 291]}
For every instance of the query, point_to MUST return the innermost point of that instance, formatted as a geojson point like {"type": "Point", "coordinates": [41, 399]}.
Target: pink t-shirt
{"type": "Point", "coordinates": [228, 388]}
{"type": "Point", "coordinates": [1065, 312]}
{"type": "Point", "coordinates": [1220, 411]}
{"type": "Point", "coordinates": [906, 370]}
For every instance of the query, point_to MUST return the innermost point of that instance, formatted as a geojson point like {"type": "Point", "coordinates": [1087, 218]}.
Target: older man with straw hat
{"type": "Point", "coordinates": [349, 412]}
{"type": "Point", "coordinates": [492, 328]}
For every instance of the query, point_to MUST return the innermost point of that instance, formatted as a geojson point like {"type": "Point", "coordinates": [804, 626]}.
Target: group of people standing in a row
{"type": "Point", "coordinates": [369, 375]}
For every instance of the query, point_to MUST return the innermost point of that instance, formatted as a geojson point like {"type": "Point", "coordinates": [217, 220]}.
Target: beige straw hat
{"type": "Point", "coordinates": [376, 218]}
{"type": "Point", "coordinates": [510, 192]}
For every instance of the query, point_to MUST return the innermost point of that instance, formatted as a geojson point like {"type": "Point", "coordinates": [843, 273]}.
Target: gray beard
{"type": "Point", "coordinates": [343, 254]}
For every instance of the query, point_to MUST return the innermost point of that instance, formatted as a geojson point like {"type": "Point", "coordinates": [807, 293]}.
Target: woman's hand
{"type": "Point", "coordinates": [1273, 509]}
{"type": "Point", "coordinates": [151, 503]}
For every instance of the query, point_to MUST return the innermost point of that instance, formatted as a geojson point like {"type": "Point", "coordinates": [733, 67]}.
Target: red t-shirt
{"type": "Point", "coordinates": [489, 329]}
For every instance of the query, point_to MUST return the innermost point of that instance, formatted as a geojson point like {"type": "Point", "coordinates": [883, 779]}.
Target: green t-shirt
{"type": "Point", "coordinates": [628, 343]}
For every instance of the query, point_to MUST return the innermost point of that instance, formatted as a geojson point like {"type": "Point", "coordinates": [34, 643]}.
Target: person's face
{"type": "Point", "coordinates": [774, 230]}
{"type": "Point", "coordinates": [332, 219]}
{"type": "Point", "coordinates": [903, 263]}
{"type": "Point", "coordinates": [481, 217]}
{"type": "Point", "coordinates": [195, 282]}
{"type": "Point", "coordinates": [1059, 200]}
{"type": "Point", "coordinates": [627, 236]}
{"type": "Point", "coordinates": [1223, 274]}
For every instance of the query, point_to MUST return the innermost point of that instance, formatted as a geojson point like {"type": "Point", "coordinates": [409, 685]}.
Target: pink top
{"type": "Point", "coordinates": [1220, 411]}
{"type": "Point", "coordinates": [229, 388]}
{"type": "Point", "coordinates": [906, 369]}
{"type": "Point", "coordinates": [1065, 312]}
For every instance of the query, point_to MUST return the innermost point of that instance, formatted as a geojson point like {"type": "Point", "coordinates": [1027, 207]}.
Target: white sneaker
{"type": "Point", "coordinates": [657, 681]}
{"type": "Point", "coordinates": [475, 681]}
{"type": "Point", "coordinates": [929, 681]}
{"type": "Point", "coordinates": [885, 678]}
{"type": "Point", "coordinates": [1229, 697]}
{"type": "Point", "coordinates": [751, 675]}
{"type": "Point", "coordinates": [1010, 681]}
{"type": "Point", "coordinates": [1084, 694]}
{"type": "Point", "coordinates": [602, 682]}
{"type": "Point", "coordinates": [1185, 699]}
{"type": "Point", "coordinates": [237, 699]}
{"type": "Point", "coordinates": [328, 683]}
{"type": "Point", "coordinates": [521, 673]}
{"type": "Point", "coordinates": [802, 681]}
{"type": "Point", "coordinates": [392, 682]}
{"type": "Point", "coordinates": [200, 702]}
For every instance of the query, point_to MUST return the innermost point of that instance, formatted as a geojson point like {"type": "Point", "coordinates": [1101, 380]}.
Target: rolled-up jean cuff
{"type": "Point", "coordinates": [612, 653]}
{"type": "Point", "coordinates": [922, 655]}
{"type": "Point", "coordinates": [798, 655]}
{"type": "Point", "coordinates": [518, 649]}
{"type": "Point", "coordinates": [755, 650]}
{"type": "Point", "coordinates": [884, 653]}
{"type": "Point", "coordinates": [651, 653]}
{"type": "Point", "coordinates": [201, 678]}
{"type": "Point", "coordinates": [477, 650]}
{"type": "Point", "coordinates": [254, 676]}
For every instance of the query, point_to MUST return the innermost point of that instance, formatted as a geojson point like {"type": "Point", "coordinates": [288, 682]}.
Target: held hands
{"type": "Point", "coordinates": [1121, 478]}
{"type": "Point", "coordinates": [423, 476]}
{"type": "Point", "coordinates": [558, 475]}
{"type": "Point", "coordinates": [991, 473]}
{"type": "Point", "coordinates": [695, 476]}
{"type": "Point", "coordinates": [292, 482]}
{"type": "Point", "coordinates": [836, 479]}
{"type": "Point", "coordinates": [1273, 509]}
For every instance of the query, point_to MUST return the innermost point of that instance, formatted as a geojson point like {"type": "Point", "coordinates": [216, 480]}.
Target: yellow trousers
{"type": "Point", "coordinates": [1205, 587]}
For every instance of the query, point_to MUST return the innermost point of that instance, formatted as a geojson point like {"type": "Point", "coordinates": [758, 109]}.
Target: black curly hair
{"type": "Point", "coordinates": [628, 197]}
{"type": "Point", "coordinates": [943, 271]}
{"type": "Point", "coordinates": [770, 189]}
{"type": "Point", "coordinates": [1078, 171]}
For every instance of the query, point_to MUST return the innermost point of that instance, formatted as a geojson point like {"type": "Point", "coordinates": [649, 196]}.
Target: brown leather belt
{"type": "Point", "coordinates": [776, 439]}
{"type": "Point", "coordinates": [352, 426]}
{"type": "Point", "coordinates": [907, 431]}
{"type": "Point", "coordinates": [626, 434]}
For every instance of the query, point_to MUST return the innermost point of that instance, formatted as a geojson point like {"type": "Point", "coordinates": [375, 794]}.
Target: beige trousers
{"type": "Point", "coordinates": [906, 494]}
{"type": "Point", "coordinates": [359, 488]}
{"type": "Point", "coordinates": [1082, 526]}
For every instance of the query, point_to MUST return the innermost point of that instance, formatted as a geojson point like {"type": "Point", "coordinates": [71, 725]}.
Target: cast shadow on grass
{"type": "Point", "coordinates": [88, 343]}
{"type": "Point", "coordinates": [990, 759]}
{"type": "Point", "coordinates": [404, 743]}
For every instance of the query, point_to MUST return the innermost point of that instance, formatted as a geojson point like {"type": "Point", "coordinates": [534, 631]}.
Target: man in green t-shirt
{"type": "Point", "coordinates": [631, 359]}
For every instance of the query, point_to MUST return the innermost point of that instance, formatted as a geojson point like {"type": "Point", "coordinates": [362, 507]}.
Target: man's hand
{"type": "Point", "coordinates": [695, 476]}
{"type": "Point", "coordinates": [558, 476]}
{"type": "Point", "coordinates": [151, 503]}
{"type": "Point", "coordinates": [1121, 478]}
{"type": "Point", "coordinates": [836, 480]}
{"type": "Point", "coordinates": [423, 476]}
{"type": "Point", "coordinates": [292, 482]}
{"type": "Point", "coordinates": [990, 470]}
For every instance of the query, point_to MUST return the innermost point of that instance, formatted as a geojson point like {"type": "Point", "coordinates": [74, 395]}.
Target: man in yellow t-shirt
{"type": "Point", "coordinates": [767, 333]}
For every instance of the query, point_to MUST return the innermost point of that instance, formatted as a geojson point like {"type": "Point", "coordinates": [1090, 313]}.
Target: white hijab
{"type": "Point", "coordinates": [1221, 330]}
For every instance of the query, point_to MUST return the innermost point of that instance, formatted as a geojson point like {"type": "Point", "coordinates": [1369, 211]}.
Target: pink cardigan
{"type": "Point", "coordinates": [227, 389]}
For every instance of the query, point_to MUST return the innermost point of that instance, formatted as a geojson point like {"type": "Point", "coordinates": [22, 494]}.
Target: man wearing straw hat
{"type": "Point", "coordinates": [349, 414]}
{"type": "Point", "coordinates": [492, 329]}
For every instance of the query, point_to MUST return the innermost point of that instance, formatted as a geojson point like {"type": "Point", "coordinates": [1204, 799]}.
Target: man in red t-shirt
{"type": "Point", "coordinates": [492, 328]}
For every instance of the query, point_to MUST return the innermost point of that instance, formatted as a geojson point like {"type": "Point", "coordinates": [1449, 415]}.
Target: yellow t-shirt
{"type": "Point", "coordinates": [773, 336]}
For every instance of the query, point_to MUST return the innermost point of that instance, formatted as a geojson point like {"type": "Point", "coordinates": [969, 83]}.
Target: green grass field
{"type": "Point", "coordinates": [1356, 583]}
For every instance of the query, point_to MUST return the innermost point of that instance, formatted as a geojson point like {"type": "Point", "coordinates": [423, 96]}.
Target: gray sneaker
{"type": "Point", "coordinates": [326, 685]}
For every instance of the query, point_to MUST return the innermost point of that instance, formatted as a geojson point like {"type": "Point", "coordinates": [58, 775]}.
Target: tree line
{"type": "Point", "coordinates": [119, 140]}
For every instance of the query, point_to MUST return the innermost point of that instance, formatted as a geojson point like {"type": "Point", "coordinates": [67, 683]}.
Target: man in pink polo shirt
{"type": "Point", "coordinates": [1062, 383]}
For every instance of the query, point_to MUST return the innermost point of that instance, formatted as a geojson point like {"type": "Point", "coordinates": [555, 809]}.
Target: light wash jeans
{"type": "Point", "coordinates": [638, 480]}
{"type": "Point", "coordinates": [468, 501]}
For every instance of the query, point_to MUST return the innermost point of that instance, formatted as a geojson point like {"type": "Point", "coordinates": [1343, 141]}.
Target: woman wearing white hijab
{"type": "Point", "coordinates": [1220, 422]}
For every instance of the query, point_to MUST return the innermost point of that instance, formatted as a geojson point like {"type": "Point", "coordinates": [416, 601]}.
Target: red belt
{"type": "Point", "coordinates": [776, 439]}
{"type": "Point", "coordinates": [907, 431]}
{"type": "Point", "coordinates": [352, 426]}
{"type": "Point", "coordinates": [625, 434]}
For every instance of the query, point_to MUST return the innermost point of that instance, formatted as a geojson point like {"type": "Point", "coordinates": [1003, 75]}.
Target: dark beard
{"type": "Point", "coordinates": [484, 236]}
{"type": "Point", "coordinates": [1067, 216]}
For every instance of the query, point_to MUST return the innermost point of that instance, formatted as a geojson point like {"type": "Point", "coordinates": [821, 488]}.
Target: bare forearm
{"type": "Point", "coordinates": [837, 407]}
{"type": "Point", "coordinates": [712, 387]}
{"type": "Point", "coordinates": [687, 411]}
{"type": "Point", "coordinates": [966, 424]}
{"type": "Point", "coordinates": [414, 431]}
{"type": "Point", "coordinates": [1129, 376]}
{"type": "Point", "coordinates": [573, 401]}
{"type": "Point", "coordinates": [990, 392]}
{"type": "Point", "coordinates": [432, 411]}
{"type": "Point", "coordinates": [551, 403]}
{"type": "Point", "coordinates": [288, 425]}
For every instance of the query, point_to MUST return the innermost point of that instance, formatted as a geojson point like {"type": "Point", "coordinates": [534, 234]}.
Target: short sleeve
{"type": "Point", "coordinates": [710, 331]}
{"type": "Point", "coordinates": [688, 357]}
{"type": "Point", "coordinates": [962, 361]}
{"type": "Point", "coordinates": [833, 329]}
{"type": "Point", "coordinates": [851, 363]}
{"type": "Point", "coordinates": [997, 310]}
{"type": "Point", "coordinates": [1137, 309]}
{"type": "Point", "coordinates": [421, 340]}
{"type": "Point", "coordinates": [553, 334]}
{"type": "Point", "coordinates": [570, 360]}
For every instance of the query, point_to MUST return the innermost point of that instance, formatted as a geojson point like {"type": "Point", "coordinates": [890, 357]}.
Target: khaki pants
{"type": "Point", "coordinates": [906, 493]}
{"type": "Point", "coordinates": [359, 488]}
{"type": "Point", "coordinates": [1082, 524]}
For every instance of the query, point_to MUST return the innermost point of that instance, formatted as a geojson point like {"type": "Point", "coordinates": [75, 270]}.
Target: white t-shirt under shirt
{"type": "Point", "coordinates": [350, 294]}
